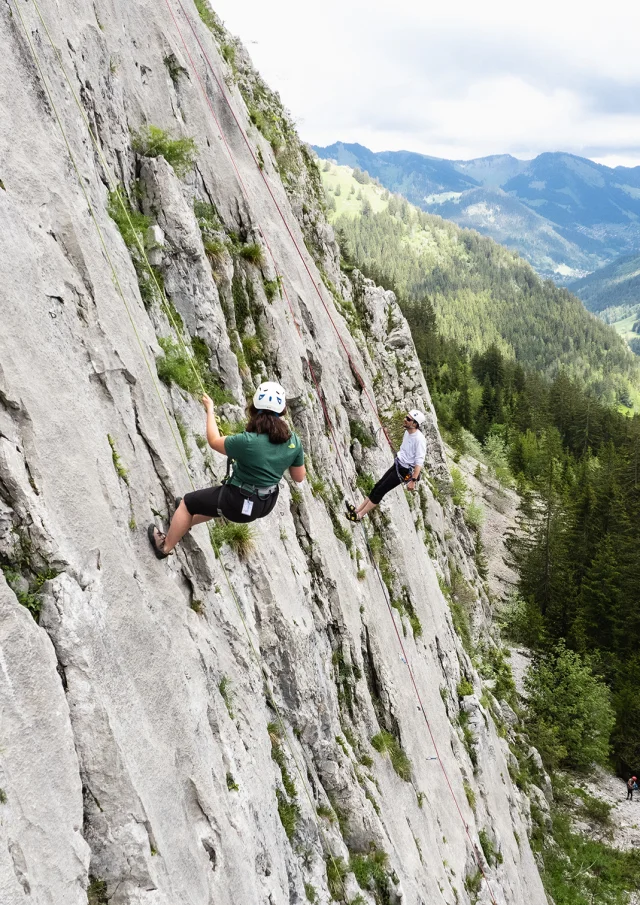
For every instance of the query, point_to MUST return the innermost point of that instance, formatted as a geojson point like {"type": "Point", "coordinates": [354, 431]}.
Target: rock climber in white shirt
{"type": "Point", "coordinates": [405, 469]}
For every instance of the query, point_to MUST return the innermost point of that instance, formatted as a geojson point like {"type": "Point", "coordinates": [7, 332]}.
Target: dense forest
{"type": "Point", "coordinates": [481, 292]}
{"type": "Point", "coordinates": [533, 398]}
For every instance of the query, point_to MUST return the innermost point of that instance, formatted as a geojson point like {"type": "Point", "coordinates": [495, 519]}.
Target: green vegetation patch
{"type": "Point", "coordinates": [25, 575]}
{"type": "Point", "coordinates": [120, 470]}
{"type": "Point", "coordinates": [133, 227]}
{"type": "Point", "coordinates": [370, 871]}
{"type": "Point", "coordinates": [224, 687]}
{"type": "Point", "coordinates": [337, 870]}
{"type": "Point", "coordinates": [386, 743]}
{"type": "Point", "coordinates": [97, 892]}
{"type": "Point", "coordinates": [361, 433]}
{"type": "Point", "coordinates": [240, 537]}
{"type": "Point", "coordinates": [492, 854]}
{"type": "Point", "coordinates": [569, 711]}
{"type": "Point", "coordinates": [289, 813]}
{"type": "Point", "coordinates": [188, 368]}
{"type": "Point", "coordinates": [580, 871]}
{"type": "Point", "coordinates": [180, 153]}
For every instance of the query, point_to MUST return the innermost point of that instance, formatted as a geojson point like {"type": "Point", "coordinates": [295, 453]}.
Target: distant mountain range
{"type": "Point", "coordinates": [566, 215]}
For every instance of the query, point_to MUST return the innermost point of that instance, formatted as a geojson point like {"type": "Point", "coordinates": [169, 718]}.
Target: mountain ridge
{"type": "Point", "coordinates": [587, 214]}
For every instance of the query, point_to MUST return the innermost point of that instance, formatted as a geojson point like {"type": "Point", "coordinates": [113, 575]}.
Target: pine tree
{"type": "Point", "coordinates": [462, 409]}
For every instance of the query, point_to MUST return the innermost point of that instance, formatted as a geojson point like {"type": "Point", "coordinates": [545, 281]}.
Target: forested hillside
{"type": "Point", "coordinates": [515, 367]}
{"type": "Point", "coordinates": [481, 292]}
{"type": "Point", "coordinates": [566, 215]}
{"type": "Point", "coordinates": [614, 293]}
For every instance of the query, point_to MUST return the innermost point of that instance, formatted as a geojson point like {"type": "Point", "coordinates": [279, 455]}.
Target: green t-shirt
{"type": "Point", "coordinates": [259, 462]}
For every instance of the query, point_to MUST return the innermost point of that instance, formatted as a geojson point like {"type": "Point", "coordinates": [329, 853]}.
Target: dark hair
{"type": "Point", "coordinates": [263, 422]}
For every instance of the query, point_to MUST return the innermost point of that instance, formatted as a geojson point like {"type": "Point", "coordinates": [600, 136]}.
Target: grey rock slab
{"type": "Point", "coordinates": [43, 855]}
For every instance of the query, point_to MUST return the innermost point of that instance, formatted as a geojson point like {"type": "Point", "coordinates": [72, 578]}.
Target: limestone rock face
{"type": "Point", "coordinates": [198, 730]}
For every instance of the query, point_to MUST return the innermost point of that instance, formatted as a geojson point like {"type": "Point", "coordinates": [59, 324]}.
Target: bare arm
{"type": "Point", "coordinates": [415, 474]}
{"type": "Point", "coordinates": [298, 473]}
{"type": "Point", "coordinates": [214, 439]}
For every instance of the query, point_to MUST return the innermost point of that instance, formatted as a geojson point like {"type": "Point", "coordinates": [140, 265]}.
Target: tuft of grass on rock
{"type": "Point", "coordinates": [337, 870]}
{"type": "Point", "coordinates": [180, 153]}
{"type": "Point", "coordinates": [386, 743]}
{"type": "Point", "coordinates": [289, 813]}
{"type": "Point", "coordinates": [232, 785]}
{"type": "Point", "coordinates": [253, 253]}
{"type": "Point", "coordinates": [370, 871]}
{"type": "Point", "coordinates": [97, 892]}
{"type": "Point", "coordinates": [224, 687]}
{"type": "Point", "coordinates": [238, 536]}
{"type": "Point", "coordinates": [121, 471]}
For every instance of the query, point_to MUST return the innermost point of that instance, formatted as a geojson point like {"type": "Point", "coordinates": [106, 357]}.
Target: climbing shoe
{"type": "Point", "coordinates": [351, 513]}
{"type": "Point", "coordinates": [151, 534]}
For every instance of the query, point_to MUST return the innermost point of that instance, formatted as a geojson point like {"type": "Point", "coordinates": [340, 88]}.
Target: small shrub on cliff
{"type": "Point", "coordinates": [365, 482]}
{"type": "Point", "coordinates": [361, 433]}
{"type": "Point", "coordinates": [224, 687]}
{"type": "Point", "coordinates": [394, 426]}
{"type": "Point", "coordinates": [133, 226]}
{"type": "Point", "coordinates": [492, 854]}
{"type": "Point", "coordinates": [189, 372]}
{"type": "Point", "coordinates": [337, 870]}
{"type": "Point", "coordinates": [152, 141]}
{"type": "Point", "coordinates": [97, 892]}
{"type": "Point", "coordinates": [370, 872]}
{"type": "Point", "coordinates": [252, 253]}
{"type": "Point", "coordinates": [240, 537]}
{"type": "Point", "coordinates": [459, 494]}
{"type": "Point", "coordinates": [272, 288]}
{"type": "Point", "coordinates": [471, 795]}
{"type": "Point", "coordinates": [386, 743]}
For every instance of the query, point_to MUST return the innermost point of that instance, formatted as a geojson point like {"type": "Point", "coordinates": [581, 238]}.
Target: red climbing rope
{"type": "Point", "coordinates": [262, 234]}
{"type": "Point", "coordinates": [277, 205]}
{"type": "Point", "coordinates": [318, 391]}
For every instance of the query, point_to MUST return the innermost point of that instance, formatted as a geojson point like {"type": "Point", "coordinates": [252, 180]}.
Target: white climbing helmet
{"type": "Point", "coordinates": [270, 397]}
{"type": "Point", "coordinates": [418, 416]}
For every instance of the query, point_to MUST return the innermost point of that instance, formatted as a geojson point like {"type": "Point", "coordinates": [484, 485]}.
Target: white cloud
{"type": "Point", "coordinates": [460, 80]}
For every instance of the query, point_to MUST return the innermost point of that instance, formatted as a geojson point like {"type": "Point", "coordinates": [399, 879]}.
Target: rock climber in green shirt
{"type": "Point", "coordinates": [261, 455]}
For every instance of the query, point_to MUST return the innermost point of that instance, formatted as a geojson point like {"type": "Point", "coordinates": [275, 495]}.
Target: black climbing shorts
{"type": "Point", "coordinates": [229, 500]}
{"type": "Point", "coordinates": [388, 481]}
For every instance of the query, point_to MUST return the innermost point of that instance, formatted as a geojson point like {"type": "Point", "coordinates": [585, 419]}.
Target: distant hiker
{"type": "Point", "coordinates": [261, 455]}
{"type": "Point", "coordinates": [632, 785]}
{"type": "Point", "coordinates": [405, 469]}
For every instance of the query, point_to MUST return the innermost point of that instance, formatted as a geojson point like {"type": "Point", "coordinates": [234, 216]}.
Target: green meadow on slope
{"type": "Point", "coordinates": [482, 293]}
{"type": "Point", "coordinates": [613, 292]}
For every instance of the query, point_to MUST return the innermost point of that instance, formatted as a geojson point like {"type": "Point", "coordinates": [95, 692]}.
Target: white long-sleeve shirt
{"type": "Point", "coordinates": [413, 449]}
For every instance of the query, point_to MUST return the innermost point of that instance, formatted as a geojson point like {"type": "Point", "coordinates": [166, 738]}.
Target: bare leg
{"type": "Point", "coordinates": [365, 507]}
{"type": "Point", "coordinates": [181, 522]}
{"type": "Point", "coordinates": [199, 519]}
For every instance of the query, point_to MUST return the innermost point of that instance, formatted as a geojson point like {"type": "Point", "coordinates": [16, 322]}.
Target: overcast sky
{"type": "Point", "coordinates": [454, 79]}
